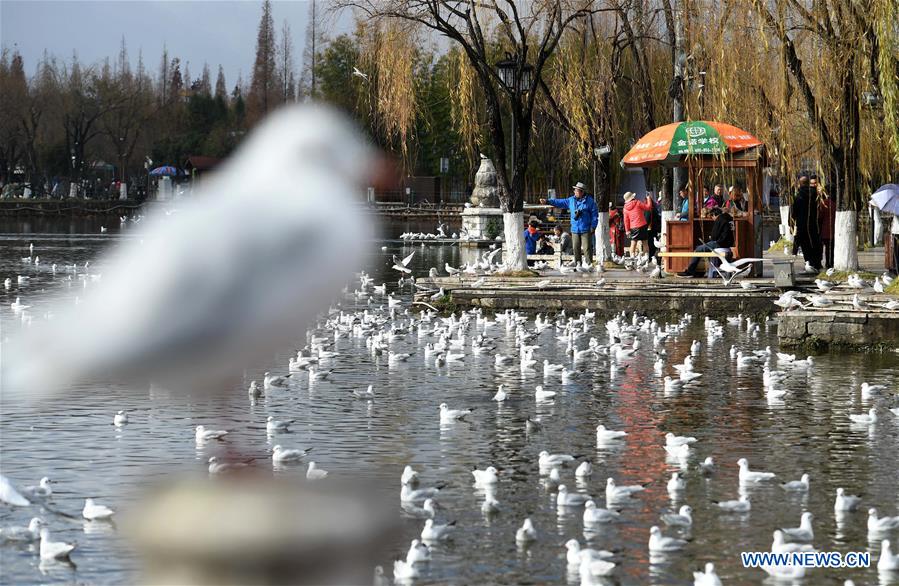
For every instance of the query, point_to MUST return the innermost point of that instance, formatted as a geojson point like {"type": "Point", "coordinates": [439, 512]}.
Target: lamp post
{"type": "Point", "coordinates": [517, 78]}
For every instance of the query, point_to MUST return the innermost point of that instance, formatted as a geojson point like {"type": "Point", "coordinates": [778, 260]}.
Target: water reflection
{"type": "Point", "coordinates": [805, 431]}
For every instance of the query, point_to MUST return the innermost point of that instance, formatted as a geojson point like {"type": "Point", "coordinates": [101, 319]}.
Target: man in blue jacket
{"type": "Point", "coordinates": [584, 217]}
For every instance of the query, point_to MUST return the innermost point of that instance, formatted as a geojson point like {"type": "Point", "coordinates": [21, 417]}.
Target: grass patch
{"type": "Point", "coordinates": [521, 274]}
{"type": "Point", "coordinates": [842, 276]}
{"type": "Point", "coordinates": [444, 304]}
{"type": "Point", "coordinates": [780, 245]}
{"type": "Point", "coordinates": [893, 289]}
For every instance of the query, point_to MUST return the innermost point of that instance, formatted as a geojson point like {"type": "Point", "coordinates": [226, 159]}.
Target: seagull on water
{"type": "Point", "coordinates": [9, 494]}
{"type": "Point", "coordinates": [888, 561]}
{"type": "Point", "coordinates": [42, 490]}
{"type": "Point", "coordinates": [418, 553]}
{"type": "Point", "coordinates": [487, 477]}
{"type": "Point", "coordinates": [404, 571]}
{"type": "Point", "coordinates": [93, 512]}
{"type": "Point", "coordinates": [846, 502]}
{"type": "Point", "coordinates": [735, 506]}
{"type": "Point", "coordinates": [661, 543]}
{"type": "Point", "coordinates": [881, 524]}
{"type": "Point", "coordinates": [869, 418]}
{"type": "Point", "coordinates": [747, 475]}
{"type": "Point", "coordinates": [802, 533]}
{"type": "Point", "coordinates": [435, 532]}
{"type": "Point", "coordinates": [282, 455]}
{"type": "Point", "coordinates": [272, 425]}
{"type": "Point", "coordinates": [678, 440]}
{"type": "Point", "coordinates": [615, 492]}
{"type": "Point", "coordinates": [683, 518]}
{"type": "Point", "coordinates": [120, 419]}
{"type": "Point", "coordinates": [708, 577]}
{"type": "Point", "coordinates": [542, 395]}
{"type": "Point", "coordinates": [570, 499]}
{"type": "Point", "coordinates": [780, 545]}
{"type": "Point", "coordinates": [54, 549]}
{"type": "Point", "coordinates": [547, 460]}
{"type": "Point", "coordinates": [604, 435]}
{"type": "Point", "coordinates": [448, 415]}
{"type": "Point", "coordinates": [594, 515]}
{"type": "Point", "coordinates": [204, 434]}
{"type": "Point", "coordinates": [800, 485]}
{"type": "Point", "coordinates": [526, 533]}
{"type": "Point", "coordinates": [28, 534]}
{"type": "Point", "coordinates": [315, 473]}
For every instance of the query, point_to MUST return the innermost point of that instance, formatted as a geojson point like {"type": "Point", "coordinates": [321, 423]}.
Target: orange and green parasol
{"type": "Point", "coordinates": [673, 143]}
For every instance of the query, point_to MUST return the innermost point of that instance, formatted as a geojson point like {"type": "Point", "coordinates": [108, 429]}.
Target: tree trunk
{"type": "Point", "coordinates": [845, 252]}
{"type": "Point", "coordinates": [678, 88]}
{"type": "Point", "coordinates": [785, 223]}
{"type": "Point", "coordinates": [514, 256]}
{"type": "Point", "coordinates": [877, 227]}
{"type": "Point", "coordinates": [603, 245]}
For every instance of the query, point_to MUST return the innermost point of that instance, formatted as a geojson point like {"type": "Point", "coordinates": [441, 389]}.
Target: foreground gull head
{"type": "Point", "coordinates": [242, 266]}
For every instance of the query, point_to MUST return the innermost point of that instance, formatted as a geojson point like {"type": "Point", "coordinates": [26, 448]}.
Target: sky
{"type": "Point", "coordinates": [216, 31]}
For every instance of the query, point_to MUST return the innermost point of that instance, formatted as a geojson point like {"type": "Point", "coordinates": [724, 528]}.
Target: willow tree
{"type": "Point", "coordinates": [832, 50]}
{"type": "Point", "coordinates": [588, 63]}
{"type": "Point", "coordinates": [530, 33]}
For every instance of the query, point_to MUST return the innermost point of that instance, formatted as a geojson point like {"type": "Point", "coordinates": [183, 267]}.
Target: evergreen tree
{"type": "Point", "coordinates": [204, 85]}
{"type": "Point", "coordinates": [221, 90]}
{"type": "Point", "coordinates": [263, 85]}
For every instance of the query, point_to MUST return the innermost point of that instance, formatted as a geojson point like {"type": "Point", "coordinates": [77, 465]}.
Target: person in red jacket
{"type": "Point", "coordinates": [635, 223]}
{"type": "Point", "coordinates": [827, 213]}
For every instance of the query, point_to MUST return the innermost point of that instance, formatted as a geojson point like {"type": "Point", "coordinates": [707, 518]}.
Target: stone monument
{"type": "Point", "coordinates": [482, 219]}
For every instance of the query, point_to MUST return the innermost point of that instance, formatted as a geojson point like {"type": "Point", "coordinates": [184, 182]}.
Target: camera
{"type": "Point", "coordinates": [577, 214]}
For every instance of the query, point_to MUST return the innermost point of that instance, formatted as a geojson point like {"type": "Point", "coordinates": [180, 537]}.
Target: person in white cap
{"type": "Point", "coordinates": [584, 217]}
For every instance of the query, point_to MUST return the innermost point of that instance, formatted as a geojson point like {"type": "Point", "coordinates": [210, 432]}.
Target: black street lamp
{"type": "Point", "coordinates": [517, 77]}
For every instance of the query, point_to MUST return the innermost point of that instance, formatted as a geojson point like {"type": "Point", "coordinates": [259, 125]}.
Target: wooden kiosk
{"type": "Point", "coordinates": [704, 148]}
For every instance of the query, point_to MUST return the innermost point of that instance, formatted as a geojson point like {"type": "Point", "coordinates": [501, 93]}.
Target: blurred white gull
{"type": "Point", "coordinates": [570, 499]}
{"type": "Point", "coordinates": [683, 518]}
{"type": "Point", "coordinates": [29, 534]}
{"type": "Point", "coordinates": [94, 512]}
{"type": "Point", "coordinates": [779, 545]}
{"type": "Point", "coordinates": [708, 577]}
{"type": "Point", "coordinates": [747, 475]}
{"type": "Point", "coordinates": [486, 477]}
{"type": "Point", "coordinates": [202, 434]}
{"type": "Point", "coordinates": [661, 543]}
{"type": "Point", "coordinates": [9, 494]}
{"type": "Point", "coordinates": [313, 472]}
{"type": "Point", "coordinates": [120, 419]}
{"type": "Point", "coordinates": [888, 561]}
{"type": "Point", "coordinates": [881, 524]}
{"type": "Point", "coordinates": [800, 485]}
{"type": "Point", "coordinates": [526, 533]}
{"type": "Point", "coordinates": [802, 533]}
{"type": "Point", "coordinates": [42, 490]}
{"type": "Point", "coordinates": [846, 502]}
{"type": "Point", "coordinates": [282, 455]}
{"type": "Point", "coordinates": [594, 515]}
{"type": "Point", "coordinates": [54, 549]}
{"type": "Point", "coordinates": [869, 418]}
{"type": "Point", "coordinates": [228, 280]}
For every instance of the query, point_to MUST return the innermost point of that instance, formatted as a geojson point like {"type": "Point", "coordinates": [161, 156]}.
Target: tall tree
{"type": "Point", "coordinates": [315, 42]}
{"type": "Point", "coordinates": [221, 90]}
{"type": "Point", "coordinates": [263, 93]}
{"type": "Point", "coordinates": [285, 71]}
{"type": "Point", "coordinates": [530, 33]}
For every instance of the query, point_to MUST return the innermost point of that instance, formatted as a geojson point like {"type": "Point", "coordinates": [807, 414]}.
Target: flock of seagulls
{"type": "Point", "coordinates": [793, 299]}
{"type": "Point", "coordinates": [381, 320]}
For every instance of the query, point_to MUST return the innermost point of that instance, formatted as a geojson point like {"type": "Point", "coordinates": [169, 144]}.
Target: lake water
{"type": "Point", "coordinates": [72, 441]}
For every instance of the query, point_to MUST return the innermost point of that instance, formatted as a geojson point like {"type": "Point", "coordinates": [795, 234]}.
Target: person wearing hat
{"type": "Point", "coordinates": [584, 216]}
{"type": "Point", "coordinates": [635, 223]}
